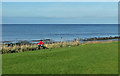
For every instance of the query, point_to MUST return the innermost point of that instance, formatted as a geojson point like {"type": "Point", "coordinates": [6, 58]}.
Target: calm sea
{"type": "Point", "coordinates": [56, 31]}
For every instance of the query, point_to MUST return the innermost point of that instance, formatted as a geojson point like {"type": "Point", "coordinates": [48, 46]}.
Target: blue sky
{"type": "Point", "coordinates": [59, 12]}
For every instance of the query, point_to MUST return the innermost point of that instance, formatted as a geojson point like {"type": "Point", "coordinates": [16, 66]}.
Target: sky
{"type": "Point", "coordinates": [59, 12]}
{"type": "Point", "coordinates": [60, 0]}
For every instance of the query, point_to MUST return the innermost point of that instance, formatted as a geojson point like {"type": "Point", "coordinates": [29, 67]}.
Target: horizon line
{"type": "Point", "coordinates": [61, 23]}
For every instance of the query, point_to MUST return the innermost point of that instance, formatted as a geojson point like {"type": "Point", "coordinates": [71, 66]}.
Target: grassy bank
{"type": "Point", "coordinates": [6, 48]}
{"type": "Point", "coordinates": [98, 58]}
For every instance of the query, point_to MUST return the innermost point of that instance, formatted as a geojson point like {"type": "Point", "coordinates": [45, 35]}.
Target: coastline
{"type": "Point", "coordinates": [34, 41]}
{"type": "Point", "coordinates": [23, 46]}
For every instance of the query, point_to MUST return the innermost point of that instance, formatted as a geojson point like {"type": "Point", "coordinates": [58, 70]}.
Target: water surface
{"type": "Point", "coordinates": [56, 31]}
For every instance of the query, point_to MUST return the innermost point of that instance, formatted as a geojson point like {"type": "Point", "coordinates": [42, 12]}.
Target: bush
{"type": "Point", "coordinates": [32, 47]}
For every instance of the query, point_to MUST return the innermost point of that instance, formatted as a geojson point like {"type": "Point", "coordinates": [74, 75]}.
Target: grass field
{"type": "Point", "coordinates": [101, 58]}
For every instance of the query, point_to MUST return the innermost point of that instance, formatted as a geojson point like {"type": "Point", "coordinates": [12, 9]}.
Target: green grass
{"type": "Point", "coordinates": [85, 59]}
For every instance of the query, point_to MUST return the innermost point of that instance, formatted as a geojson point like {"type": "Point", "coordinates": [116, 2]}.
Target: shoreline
{"type": "Point", "coordinates": [34, 41]}
{"type": "Point", "coordinates": [16, 48]}
{"type": "Point", "coordinates": [25, 46]}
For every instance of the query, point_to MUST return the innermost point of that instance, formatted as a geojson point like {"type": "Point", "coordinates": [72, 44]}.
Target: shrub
{"type": "Point", "coordinates": [32, 47]}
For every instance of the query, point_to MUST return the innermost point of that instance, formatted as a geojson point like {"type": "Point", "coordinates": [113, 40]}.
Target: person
{"type": "Point", "coordinates": [40, 44]}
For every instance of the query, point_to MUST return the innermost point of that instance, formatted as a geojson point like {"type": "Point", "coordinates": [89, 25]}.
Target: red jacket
{"type": "Point", "coordinates": [40, 43]}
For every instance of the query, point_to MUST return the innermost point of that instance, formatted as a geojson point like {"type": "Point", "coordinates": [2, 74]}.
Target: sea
{"type": "Point", "coordinates": [57, 32]}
